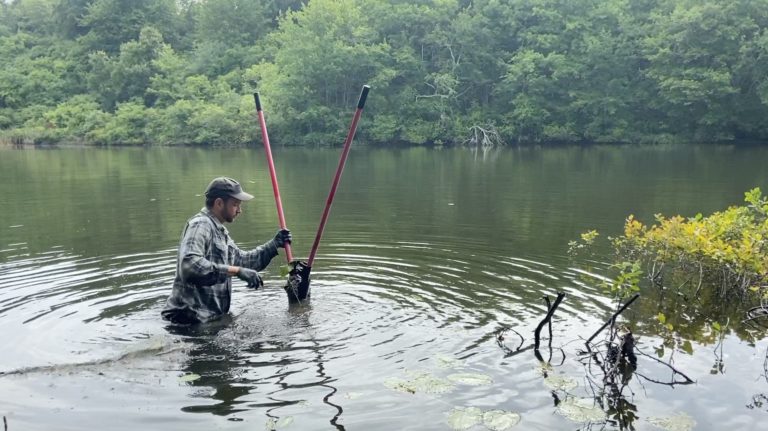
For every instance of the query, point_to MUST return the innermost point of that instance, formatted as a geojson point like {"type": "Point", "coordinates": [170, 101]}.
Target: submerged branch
{"type": "Point", "coordinates": [547, 318]}
{"type": "Point", "coordinates": [687, 381]}
{"type": "Point", "coordinates": [500, 337]}
{"type": "Point", "coordinates": [613, 318]}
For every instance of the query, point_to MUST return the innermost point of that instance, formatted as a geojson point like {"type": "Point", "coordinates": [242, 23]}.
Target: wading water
{"type": "Point", "coordinates": [426, 295]}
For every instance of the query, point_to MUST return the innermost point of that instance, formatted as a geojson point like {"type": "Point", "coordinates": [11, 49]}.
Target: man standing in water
{"type": "Point", "coordinates": [208, 258]}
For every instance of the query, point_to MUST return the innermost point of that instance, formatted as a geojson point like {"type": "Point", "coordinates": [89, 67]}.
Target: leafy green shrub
{"type": "Point", "coordinates": [125, 127]}
{"type": "Point", "coordinates": [77, 117]}
{"type": "Point", "coordinates": [728, 247]}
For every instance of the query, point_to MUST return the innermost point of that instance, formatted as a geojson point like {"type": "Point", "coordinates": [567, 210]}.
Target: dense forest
{"type": "Point", "coordinates": [178, 72]}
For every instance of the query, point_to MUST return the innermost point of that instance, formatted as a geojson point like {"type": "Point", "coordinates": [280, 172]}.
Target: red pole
{"type": "Point", "coordinates": [339, 169]}
{"type": "Point", "coordinates": [272, 174]}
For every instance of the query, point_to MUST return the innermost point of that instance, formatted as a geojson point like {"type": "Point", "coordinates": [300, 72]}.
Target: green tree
{"type": "Point", "coordinates": [128, 76]}
{"type": "Point", "coordinates": [323, 54]}
{"type": "Point", "coordinates": [694, 52]}
{"type": "Point", "coordinates": [112, 23]}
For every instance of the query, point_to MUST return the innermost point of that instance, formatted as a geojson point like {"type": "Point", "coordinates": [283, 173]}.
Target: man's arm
{"type": "Point", "coordinates": [256, 259]}
{"type": "Point", "coordinates": [194, 267]}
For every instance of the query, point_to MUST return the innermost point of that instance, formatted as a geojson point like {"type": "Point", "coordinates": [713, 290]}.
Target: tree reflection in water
{"type": "Point", "coordinates": [225, 352]}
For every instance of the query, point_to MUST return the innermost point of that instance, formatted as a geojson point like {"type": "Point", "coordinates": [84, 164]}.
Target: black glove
{"type": "Point", "coordinates": [251, 277]}
{"type": "Point", "coordinates": [282, 237]}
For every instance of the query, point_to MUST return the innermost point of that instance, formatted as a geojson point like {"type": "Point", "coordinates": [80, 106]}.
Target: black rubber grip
{"type": "Point", "coordinates": [363, 96]}
{"type": "Point", "coordinates": [258, 101]}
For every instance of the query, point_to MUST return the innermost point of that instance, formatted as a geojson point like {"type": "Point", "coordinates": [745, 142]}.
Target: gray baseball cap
{"type": "Point", "coordinates": [223, 186]}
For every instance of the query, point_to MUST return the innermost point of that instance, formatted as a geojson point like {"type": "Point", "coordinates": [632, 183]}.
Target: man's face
{"type": "Point", "coordinates": [229, 209]}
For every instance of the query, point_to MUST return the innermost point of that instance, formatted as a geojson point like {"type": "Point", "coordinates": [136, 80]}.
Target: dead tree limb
{"type": "Point", "coordinates": [550, 312]}
{"type": "Point", "coordinates": [549, 324]}
{"type": "Point", "coordinates": [687, 381]}
{"type": "Point", "coordinates": [613, 318]}
{"type": "Point", "coordinates": [501, 338]}
{"type": "Point", "coordinates": [486, 136]}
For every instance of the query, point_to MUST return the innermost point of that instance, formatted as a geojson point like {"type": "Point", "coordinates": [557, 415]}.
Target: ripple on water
{"type": "Point", "coordinates": [375, 315]}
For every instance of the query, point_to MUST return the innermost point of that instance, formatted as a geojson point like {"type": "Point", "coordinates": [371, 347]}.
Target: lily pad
{"type": "Point", "coordinates": [420, 382]}
{"type": "Point", "coordinates": [353, 395]}
{"type": "Point", "coordinates": [678, 422]}
{"type": "Point", "coordinates": [471, 379]}
{"type": "Point", "coordinates": [560, 383]}
{"type": "Point", "coordinates": [581, 410]}
{"type": "Point", "coordinates": [278, 423]}
{"type": "Point", "coordinates": [544, 368]}
{"type": "Point", "coordinates": [189, 378]}
{"type": "Point", "coordinates": [463, 418]}
{"type": "Point", "coordinates": [444, 361]}
{"type": "Point", "coordinates": [499, 420]}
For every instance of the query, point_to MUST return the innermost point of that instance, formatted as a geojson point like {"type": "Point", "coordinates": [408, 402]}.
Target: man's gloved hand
{"type": "Point", "coordinates": [251, 277]}
{"type": "Point", "coordinates": [282, 237]}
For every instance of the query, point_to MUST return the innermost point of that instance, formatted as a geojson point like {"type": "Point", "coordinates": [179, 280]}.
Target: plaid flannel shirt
{"type": "Point", "coordinates": [202, 289]}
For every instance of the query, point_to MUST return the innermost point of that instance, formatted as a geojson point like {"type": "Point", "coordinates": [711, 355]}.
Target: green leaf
{"type": "Point", "coordinates": [189, 377]}
{"type": "Point", "coordinates": [500, 420]}
{"type": "Point", "coordinates": [662, 318]}
{"type": "Point", "coordinates": [581, 410]}
{"type": "Point", "coordinates": [470, 379]}
{"type": "Point", "coordinates": [285, 270]}
{"type": "Point", "coordinates": [678, 422]}
{"type": "Point", "coordinates": [687, 347]}
{"type": "Point", "coordinates": [463, 418]}
{"type": "Point", "coordinates": [716, 326]}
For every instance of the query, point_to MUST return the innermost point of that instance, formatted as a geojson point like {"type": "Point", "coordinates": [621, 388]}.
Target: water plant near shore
{"type": "Point", "coordinates": [726, 251]}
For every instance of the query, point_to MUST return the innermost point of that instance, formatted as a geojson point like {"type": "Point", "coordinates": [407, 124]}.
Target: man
{"type": "Point", "coordinates": [208, 258]}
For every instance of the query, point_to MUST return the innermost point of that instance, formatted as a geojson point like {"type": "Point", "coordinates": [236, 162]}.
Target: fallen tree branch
{"type": "Point", "coordinates": [486, 136]}
{"type": "Point", "coordinates": [687, 381]}
{"type": "Point", "coordinates": [500, 339]}
{"type": "Point", "coordinates": [546, 319]}
{"type": "Point", "coordinates": [613, 318]}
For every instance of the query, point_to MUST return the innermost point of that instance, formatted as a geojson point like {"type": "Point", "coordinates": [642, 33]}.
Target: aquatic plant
{"type": "Point", "coordinates": [721, 260]}
{"type": "Point", "coordinates": [581, 410]}
{"type": "Point", "coordinates": [726, 250]}
{"type": "Point", "coordinates": [678, 422]}
{"type": "Point", "coordinates": [463, 418]}
{"type": "Point", "coordinates": [420, 382]}
{"type": "Point", "coordinates": [191, 377]}
{"type": "Point", "coordinates": [471, 379]}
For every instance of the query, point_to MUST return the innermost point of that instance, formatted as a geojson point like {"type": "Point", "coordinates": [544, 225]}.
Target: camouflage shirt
{"type": "Point", "coordinates": [202, 289]}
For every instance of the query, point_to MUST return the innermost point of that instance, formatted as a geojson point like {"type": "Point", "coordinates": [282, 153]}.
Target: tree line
{"type": "Point", "coordinates": [178, 72]}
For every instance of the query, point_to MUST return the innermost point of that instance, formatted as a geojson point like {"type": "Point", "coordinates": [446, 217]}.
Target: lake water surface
{"type": "Point", "coordinates": [429, 256]}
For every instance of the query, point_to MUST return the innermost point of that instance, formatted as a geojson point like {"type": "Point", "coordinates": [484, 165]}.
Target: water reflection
{"type": "Point", "coordinates": [430, 254]}
{"type": "Point", "coordinates": [231, 356]}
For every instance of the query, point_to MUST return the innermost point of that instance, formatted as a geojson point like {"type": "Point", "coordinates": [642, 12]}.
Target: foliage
{"type": "Point", "coordinates": [699, 272]}
{"type": "Point", "coordinates": [537, 71]}
{"type": "Point", "coordinates": [728, 247]}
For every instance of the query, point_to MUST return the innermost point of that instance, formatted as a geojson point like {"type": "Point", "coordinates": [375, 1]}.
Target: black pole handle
{"type": "Point", "coordinates": [363, 96]}
{"type": "Point", "coordinates": [258, 101]}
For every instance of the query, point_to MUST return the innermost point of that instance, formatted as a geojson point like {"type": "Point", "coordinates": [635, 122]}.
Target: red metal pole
{"type": "Point", "coordinates": [339, 169]}
{"type": "Point", "coordinates": [272, 174]}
